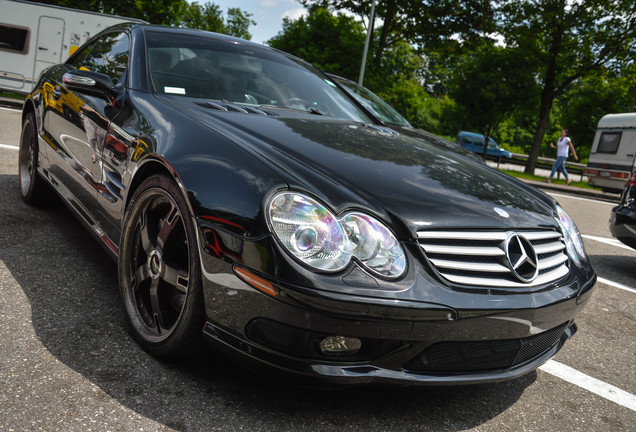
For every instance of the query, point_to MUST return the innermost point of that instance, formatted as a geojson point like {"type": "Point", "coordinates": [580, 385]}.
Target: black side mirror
{"type": "Point", "coordinates": [89, 82]}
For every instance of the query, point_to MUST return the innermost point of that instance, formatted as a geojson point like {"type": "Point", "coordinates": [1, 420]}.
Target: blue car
{"type": "Point", "coordinates": [475, 143]}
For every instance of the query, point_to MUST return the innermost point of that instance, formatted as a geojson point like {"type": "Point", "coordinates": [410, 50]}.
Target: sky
{"type": "Point", "coordinates": [268, 14]}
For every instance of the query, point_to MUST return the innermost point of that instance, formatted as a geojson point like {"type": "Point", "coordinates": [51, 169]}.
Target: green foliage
{"type": "Point", "coordinates": [312, 38]}
{"type": "Point", "coordinates": [238, 23]}
{"type": "Point", "coordinates": [179, 13]}
{"type": "Point", "coordinates": [568, 41]}
{"type": "Point", "coordinates": [489, 84]}
{"type": "Point", "coordinates": [411, 100]}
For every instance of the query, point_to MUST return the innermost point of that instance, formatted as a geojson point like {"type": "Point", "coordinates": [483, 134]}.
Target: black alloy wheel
{"type": "Point", "coordinates": [159, 271]}
{"type": "Point", "coordinates": [31, 184]}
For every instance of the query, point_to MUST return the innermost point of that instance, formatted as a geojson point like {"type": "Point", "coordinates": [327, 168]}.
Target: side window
{"type": "Point", "coordinates": [468, 139]}
{"type": "Point", "coordinates": [14, 38]}
{"type": "Point", "coordinates": [107, 55]}
{"type": "Point", "coordinates": [479, 141]}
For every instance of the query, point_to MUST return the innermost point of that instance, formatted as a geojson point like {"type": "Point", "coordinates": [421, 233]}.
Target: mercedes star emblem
{"type": "Point", "coordinates": [522, 258]}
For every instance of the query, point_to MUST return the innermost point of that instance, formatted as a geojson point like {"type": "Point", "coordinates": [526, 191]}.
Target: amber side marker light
{"type": "Point", "coordinates": [255, 281]}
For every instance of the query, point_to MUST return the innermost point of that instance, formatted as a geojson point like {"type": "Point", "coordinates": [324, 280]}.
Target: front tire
{"type": "Point", "coordinates": [31, 184]}
{"type": "Point", "coordinates": [159, 271]}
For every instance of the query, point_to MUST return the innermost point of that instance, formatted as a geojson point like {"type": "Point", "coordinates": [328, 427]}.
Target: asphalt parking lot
{"type": "Point", "coordinates": [67, 363]}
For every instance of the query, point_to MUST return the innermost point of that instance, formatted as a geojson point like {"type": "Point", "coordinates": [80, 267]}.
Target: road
{"type": "Point", "coordinates": [67, 363]}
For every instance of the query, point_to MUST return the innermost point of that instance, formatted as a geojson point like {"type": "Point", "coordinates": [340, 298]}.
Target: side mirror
{"type": "Point", "coordinates": [88, 82]}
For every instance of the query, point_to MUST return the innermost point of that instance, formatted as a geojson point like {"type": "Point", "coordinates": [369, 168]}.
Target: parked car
{"type": "Point", "coordinates": [623, 216]}
{"type": "Point", "coordinates": [475, 143]}
{"type": "Point", "coordinates": [248, 201]}
{"type": "Point", "coordinates": [384, 114]}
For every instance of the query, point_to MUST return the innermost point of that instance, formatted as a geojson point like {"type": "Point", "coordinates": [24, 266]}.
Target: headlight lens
{"type": "Point", "coordinates": [573, 240]}
{"type": "Point", "coordinates": [311, 233]}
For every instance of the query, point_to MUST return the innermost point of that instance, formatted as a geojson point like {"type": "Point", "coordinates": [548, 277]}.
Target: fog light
{"type": "Point", "coordinates": [340, 345]}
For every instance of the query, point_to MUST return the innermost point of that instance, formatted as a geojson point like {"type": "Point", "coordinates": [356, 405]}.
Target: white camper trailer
{"type": "Point", "coordinates": [613, 153]}
{"type": "Point", "coordinates": [34, 36]}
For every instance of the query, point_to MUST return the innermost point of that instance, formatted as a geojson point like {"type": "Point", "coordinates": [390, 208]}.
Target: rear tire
{"type": "Point", "coordinates": [31, 184]}
{"type": "Point", "coordinates": [159, 271]}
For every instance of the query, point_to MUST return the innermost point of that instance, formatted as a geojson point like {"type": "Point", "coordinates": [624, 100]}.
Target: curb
{"type": "Point", "coordinates": [11, 103]}
{"type": "Point", "coordinates": [590, 193]}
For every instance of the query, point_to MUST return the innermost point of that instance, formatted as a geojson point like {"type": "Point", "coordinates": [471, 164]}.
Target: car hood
{"type": "Point", "coordinates": [411, 183]}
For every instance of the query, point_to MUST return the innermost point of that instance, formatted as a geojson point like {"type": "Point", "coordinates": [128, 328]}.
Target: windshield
{"type": "Point", "coordinates": [374, 103]}
{"type": "Point", "coordinates": [232, 72]}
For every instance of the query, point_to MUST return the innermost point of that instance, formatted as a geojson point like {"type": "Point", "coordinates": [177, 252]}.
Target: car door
{"type": "Point", "coordinates": [79, 124]}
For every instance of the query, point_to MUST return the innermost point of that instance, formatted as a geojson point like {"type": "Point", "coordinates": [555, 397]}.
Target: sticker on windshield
{"type": "Point", "coordinates": [174, 90]}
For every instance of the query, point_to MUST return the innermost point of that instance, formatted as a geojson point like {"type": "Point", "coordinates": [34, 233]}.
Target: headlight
{"type": "Point", "coordinates": [573, 240]}
{"type": "Point", "coordinates": [315, 236]}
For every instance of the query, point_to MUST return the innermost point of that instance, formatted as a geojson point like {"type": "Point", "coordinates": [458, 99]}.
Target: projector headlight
{"type": "Point", "coordinates": [573, 240]}
{"type": "Point", "coordinates": [315, 236]}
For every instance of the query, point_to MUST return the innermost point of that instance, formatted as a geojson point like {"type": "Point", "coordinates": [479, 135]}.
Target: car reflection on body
{"type": "Point", "coordinates": [248, 201]}
{"type": "Point", "coordinates": [623, 216]}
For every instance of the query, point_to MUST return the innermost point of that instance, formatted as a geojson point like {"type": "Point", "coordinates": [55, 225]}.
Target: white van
{"type": "Point", "coordinates": [34, 36]}
{"type": "Point", "coordinates": [613, 153]}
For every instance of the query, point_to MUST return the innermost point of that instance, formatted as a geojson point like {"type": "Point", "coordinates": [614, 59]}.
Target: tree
{"type": "Point", "coordinates": [424, 22]}
{"type": "Point", "coordinates": [392, 76]}
{"type": "Point", "coordinates": [490, 84]}
{"type": "Point", "coordinates": [568, 41]}
{"type": "Point", "coordinates": [591, 98]}
{"type": "Point", "coordinates": [209, 17]}
{"type": "Point", "coordinates": [312, 38]}
{"type": "Point", "coordinates": [179, 13]}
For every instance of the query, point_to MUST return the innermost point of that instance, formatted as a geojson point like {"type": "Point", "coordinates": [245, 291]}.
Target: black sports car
{"type": "Point", "coordinates": [623, 216]}
{"type": "Point", "coordinates": [248, 199]}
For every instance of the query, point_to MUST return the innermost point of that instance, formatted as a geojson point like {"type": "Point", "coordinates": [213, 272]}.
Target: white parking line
{"type": "Point", "coordinates": [598, 387]}
{"type": "Point", "coordinates": [10, 147]}
{"type": "Point", "coordinates": [616, 285]}
{"type": "Point", "coordinates": [606, 240]}
{"type": "Point", "coordinates": [10, 109]}
{"type": "Point", "coordinates": [580, 198]}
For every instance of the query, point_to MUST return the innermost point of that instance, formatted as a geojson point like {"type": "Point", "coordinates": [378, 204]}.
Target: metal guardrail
{"type": "Point", "coordinates": [546, 163]}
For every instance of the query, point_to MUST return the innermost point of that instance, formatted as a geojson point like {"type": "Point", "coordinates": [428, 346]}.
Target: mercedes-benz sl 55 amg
{"type": "Point", "coordinates": [250, 201]}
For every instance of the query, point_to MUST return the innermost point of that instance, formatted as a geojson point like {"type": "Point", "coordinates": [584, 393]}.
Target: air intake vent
{"type": "Point", "coordinates": [455, 357]}
{"type": "Point", "coordinates": [235, 108]}
{"type": "Point", "coordinates": [496, 259]}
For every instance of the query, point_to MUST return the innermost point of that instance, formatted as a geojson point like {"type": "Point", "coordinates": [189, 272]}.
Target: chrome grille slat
{"type": "Point", "coordinates": [478, 258]}
{"type": "Point", "coordinates": [464, 250]}
{"type": "Point", "coordinates": [470, 266]}
{"type": "Point", "coordinates": [504, 283]}
{"type": "Point", "coordinates": [548, 248]}
{"type": "Point", "coordinates": [462, 235]}
{"type": "Point", "coordinates": [552, 261]}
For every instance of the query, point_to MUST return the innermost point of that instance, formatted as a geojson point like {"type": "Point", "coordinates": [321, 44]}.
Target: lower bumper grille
{"type": "Point", "coordinates": [306, 344]}
{"type": "Point", "coordinates": [449, 357]}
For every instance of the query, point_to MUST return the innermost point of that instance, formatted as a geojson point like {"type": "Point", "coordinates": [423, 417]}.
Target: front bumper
{"type": "Point", "coordinates": [415, 331]}
{"type": "Point", "coordinates": [623, 225]}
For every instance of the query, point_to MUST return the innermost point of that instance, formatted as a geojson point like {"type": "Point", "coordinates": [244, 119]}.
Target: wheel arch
{"type": "Point", "coordinates": [27, 108]}
{"type": "Point", "coordinates": [150, 166]}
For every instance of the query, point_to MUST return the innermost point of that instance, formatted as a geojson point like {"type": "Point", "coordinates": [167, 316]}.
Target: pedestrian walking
{"type": "Point", "coordinates": [564, 144]}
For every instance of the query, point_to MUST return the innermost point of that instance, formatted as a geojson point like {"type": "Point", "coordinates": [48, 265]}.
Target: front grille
{"type": "Point", "coordinates": [450, 357]}
{"type": "Point", "coordinates": [478, 258]}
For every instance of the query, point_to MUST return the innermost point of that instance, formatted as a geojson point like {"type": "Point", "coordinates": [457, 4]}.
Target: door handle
{"type": "Point", "coordinates": [56, 94]}
{"type": "Point", "coordinates": [43, 48]}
